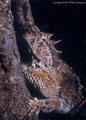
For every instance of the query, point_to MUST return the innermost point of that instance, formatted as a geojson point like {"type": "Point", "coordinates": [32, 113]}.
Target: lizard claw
{"type": "Point", "coordinates": [35, 106]}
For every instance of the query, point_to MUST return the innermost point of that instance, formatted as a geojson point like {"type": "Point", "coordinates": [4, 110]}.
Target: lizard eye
{"type": "Point", "coordinates": [44, 40]}
{"type": "Point", "coordinates": [32, 42]}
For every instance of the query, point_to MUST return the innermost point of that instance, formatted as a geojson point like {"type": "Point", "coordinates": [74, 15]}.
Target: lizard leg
{"type": "Point", "coordinates": [45, 105]}
{"type": "Point", "coordinates": [48, 105]}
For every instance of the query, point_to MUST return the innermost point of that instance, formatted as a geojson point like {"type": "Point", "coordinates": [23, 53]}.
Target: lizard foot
{"type": "Point", "coordinates": [35, 106]}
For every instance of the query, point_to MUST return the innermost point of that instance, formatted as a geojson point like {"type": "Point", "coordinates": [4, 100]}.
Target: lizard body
{"type": "Point", "coordinates": [54, 79]}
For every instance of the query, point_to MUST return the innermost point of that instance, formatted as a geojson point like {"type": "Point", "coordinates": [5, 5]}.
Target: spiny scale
{"type": "Point", "coordinates": [40, 79]}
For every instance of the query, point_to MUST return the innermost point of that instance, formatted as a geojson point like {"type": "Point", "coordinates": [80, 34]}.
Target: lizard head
{"type": "Point", "coordinates": [40, 45]}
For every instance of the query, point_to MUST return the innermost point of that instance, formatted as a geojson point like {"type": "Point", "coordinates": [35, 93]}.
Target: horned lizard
{"type": "Point", "coordinates": [55, 80]}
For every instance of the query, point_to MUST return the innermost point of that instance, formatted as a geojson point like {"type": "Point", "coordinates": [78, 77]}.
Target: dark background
{"type": "Point", "coordinates": [68, 23]}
